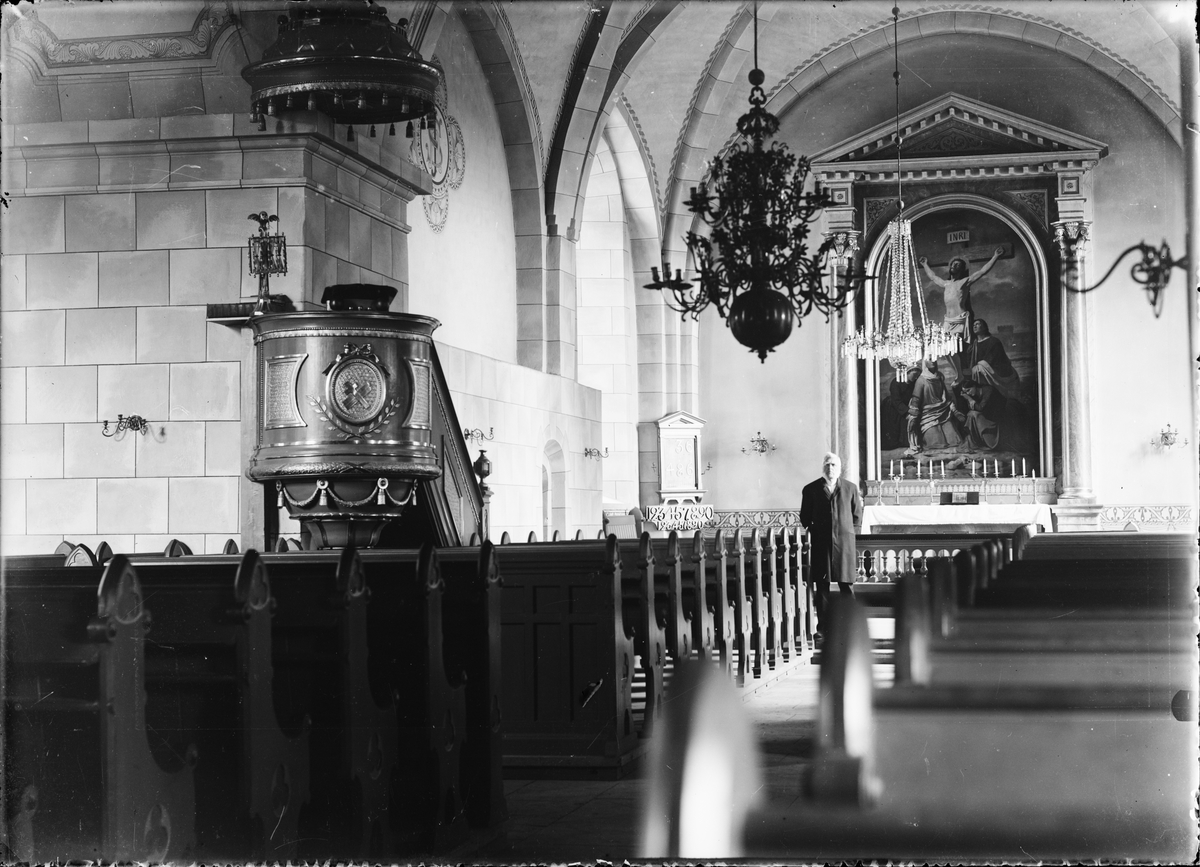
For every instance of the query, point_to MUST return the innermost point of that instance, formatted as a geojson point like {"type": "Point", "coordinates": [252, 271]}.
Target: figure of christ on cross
{"type": "Point", "coordinates": [956, 292]}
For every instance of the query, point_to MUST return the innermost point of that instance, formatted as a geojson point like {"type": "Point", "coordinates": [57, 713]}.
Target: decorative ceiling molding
{"type": "Point", "coordinates": [66, 55]}
{"type": "Point", "coordinates": [589, 35]}
{"type": "Point", "coordinates": [884, 26]}
{"type": "Point", "coordinates": [738, 19]}
{"type": "Point", "coordinates": [637, 19]}
{"type": "Point", "coordinates": [518, 63]}
{"type": "Point", "coordinates": [636, 126]}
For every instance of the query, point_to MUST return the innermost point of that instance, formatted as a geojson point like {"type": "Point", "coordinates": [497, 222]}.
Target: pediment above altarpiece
{"type": "Point", "coordinates": [957, 137]}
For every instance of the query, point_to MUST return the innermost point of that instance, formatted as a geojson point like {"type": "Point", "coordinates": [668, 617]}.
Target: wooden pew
{"type": "Point", "coordinates": [66, 554]}
{"type": "Point", "coordinates": [758, 603]}
{"type": "Point", "coordinates": [415, 766]}
{"type": "Point", "coordinates": [640, 611]}
{"type": "Point", "coordinates": [798, 562]}
{"type": "Point", "coordinates": [964, 773]}
{"type": "Point", "coordinates": [209, 675]}
{"type": "Point", "coordinates": [407, 641]}
{"type": "Point", "coordinates": [323, 640]}
{"type": "Point", "coordinates": [471, 618]}
{"type": "Point", "coordinates": [695, 599]}
{"type": "Point", "coordinates": [1035, 646]}
{"type": "Point", "coordinates": [672, 574]}
{"type": "Point", "coordinates": [90, 786]}
{"type": "Point", "coordinates": [718, 600]}
{"type": "Point", "coordinates": [568, 659]}
{"type": "Point", "coordinates": [794, 593]}
{"type": "Point", "coordinates": [1076, 546]}
{"type": "Point", "coordinates": [773, 581]}
{"type": "Point", "coordinates": [727, 597]}
{"type": "Point", "coordinates": [739, 598]}
{"type": "Point", "coordinates": [1100, 583]}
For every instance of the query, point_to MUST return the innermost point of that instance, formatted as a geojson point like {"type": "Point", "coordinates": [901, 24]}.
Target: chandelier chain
{"type": "Point", "coordinates": [756, 264]}
{"type": "Point", "coordinates": [899, 338]}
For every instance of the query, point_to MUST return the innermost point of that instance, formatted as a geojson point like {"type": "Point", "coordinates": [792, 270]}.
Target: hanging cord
{"type": "Point", "coordinates": [896, 76]}
{"type": "Point", "coordinates": [756, 34]}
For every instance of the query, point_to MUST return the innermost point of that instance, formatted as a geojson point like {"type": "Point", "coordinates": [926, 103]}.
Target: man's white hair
{"type": "Point", "coordinates": [829, 455]}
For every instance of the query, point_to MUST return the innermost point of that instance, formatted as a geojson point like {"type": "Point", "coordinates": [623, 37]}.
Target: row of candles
{"type": "Point", "coordinates": [995, 468]}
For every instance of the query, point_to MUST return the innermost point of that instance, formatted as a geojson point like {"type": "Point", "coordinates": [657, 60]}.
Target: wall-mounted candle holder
{"type": "Point", "coordinates": [759, 445]}
{"type": "Point", "coordinates": [595, 453]}
{"type": "Point", "coordinates": [134, 423]}
{"type": "Point", "coordinates": [1167, 439]}
{"type": "Point", "coordinates": [477, 435]}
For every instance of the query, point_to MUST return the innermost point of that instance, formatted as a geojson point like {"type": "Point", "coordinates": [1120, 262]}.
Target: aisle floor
{"type": "Point", "coordinates": [597, 820]}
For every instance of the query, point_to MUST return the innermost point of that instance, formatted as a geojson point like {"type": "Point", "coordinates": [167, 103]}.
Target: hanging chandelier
{"type": "Point", "coordinates": [905, 340]}
{"type": "Point", "coordinates": [346, 59]}
{"type": "Point", "coordinates": [902, 339]}
{"type": "Point", "coordinates": [754, 266]}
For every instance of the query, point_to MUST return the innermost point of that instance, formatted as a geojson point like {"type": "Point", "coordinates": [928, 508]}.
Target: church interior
{"type": "Point", "coordinates": [406, 410]}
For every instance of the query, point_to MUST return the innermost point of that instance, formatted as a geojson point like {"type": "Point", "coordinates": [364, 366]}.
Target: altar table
{"type": "Point", "coordinates": [981, 518]}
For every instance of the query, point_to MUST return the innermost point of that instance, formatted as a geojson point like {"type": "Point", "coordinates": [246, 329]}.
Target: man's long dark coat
{"type": "Point", "coordinates": [832, 521]}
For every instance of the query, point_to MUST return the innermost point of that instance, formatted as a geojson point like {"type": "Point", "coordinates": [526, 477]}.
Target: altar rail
{"type": "Point", "coordinates": [884, 557]}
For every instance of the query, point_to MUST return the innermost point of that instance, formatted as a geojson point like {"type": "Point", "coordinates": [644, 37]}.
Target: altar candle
{"type": "Point", "coordinates": [943, 469]}
{"type": "Point", "coordinates": [891, 468]}
{"type": "Point", "coordinates": [1022, 468]}
{"type": "Point", "coordinates": [1013, 470]}
{"type": "Point", "coordinates": [918, 468]}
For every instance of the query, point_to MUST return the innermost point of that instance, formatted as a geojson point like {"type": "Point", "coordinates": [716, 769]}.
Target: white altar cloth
{"type": "Point", "coordinates": [989, 514]}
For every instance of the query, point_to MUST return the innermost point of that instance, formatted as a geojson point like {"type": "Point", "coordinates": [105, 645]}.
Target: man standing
{"type": "Point", "coordinates": [831, 511]}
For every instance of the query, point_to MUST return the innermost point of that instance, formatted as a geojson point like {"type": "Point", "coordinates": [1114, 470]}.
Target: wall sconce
{"type": "Point", "coordinates": [268, 255]}
{"type": "Point", "coordinates": [595, 453]}
{"type": "Point", "coordinates": [1167, 438]}
{"type": "Point", "coordinates": [134, 423]}
{"type": "Point", "coordinates": [477, 435]}
{"type": "Point", "coordinates": [1152, 272]}
{"type": "Point", "coordinates": [758, 445]}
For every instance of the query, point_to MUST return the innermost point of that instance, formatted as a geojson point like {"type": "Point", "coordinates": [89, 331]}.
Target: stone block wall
{"type": "Point", "coordinates": [113, 248]}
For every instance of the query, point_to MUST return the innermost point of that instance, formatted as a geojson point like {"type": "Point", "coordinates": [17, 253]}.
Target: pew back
{"type": "Point", "coordinates": [568, 657]}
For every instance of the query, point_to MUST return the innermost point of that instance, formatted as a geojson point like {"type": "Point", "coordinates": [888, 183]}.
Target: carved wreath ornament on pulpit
{"type": "Point", "coordinates": [356, 393]}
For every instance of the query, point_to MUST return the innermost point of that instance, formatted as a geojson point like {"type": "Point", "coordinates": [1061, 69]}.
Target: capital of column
{"type": "Point", "coordinates": [1073, 237]}
{"type": "Point", "coordinates": [845, 244]}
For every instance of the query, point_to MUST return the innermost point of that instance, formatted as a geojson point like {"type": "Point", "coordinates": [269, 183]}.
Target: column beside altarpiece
{"type": "Point", "coordinates": [1078, 508]}
{"type": "Point", "coordinates": [844, 437]}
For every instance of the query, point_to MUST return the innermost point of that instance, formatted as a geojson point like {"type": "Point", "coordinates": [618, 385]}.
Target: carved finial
{"type": "Point", "coordinates": [263, 220]}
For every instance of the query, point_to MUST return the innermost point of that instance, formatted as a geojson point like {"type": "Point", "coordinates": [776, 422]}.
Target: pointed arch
{"type": "Point", "coordinates": [498, 54]}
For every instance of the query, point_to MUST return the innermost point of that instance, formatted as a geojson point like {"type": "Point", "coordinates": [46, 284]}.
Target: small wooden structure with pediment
{"type": "Point", "coordinates": [679, 436]}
